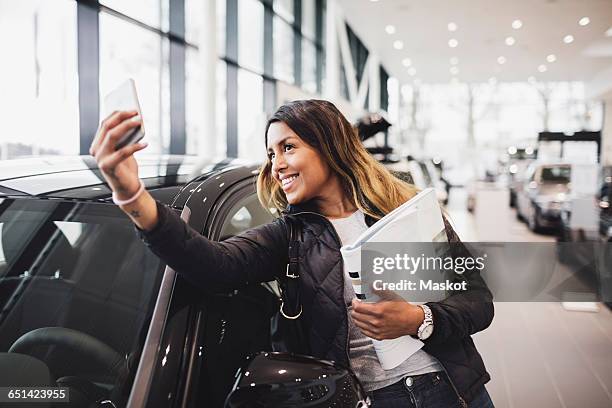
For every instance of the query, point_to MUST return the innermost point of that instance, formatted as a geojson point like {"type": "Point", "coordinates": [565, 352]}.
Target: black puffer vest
{"type": "Point", "coordinates": [455, 319]}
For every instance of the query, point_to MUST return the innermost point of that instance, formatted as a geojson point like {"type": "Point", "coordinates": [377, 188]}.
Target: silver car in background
{"type": "Point", "coordinates": [541, 195]}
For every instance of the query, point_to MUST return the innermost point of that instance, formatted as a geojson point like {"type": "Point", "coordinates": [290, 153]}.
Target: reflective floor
{"type": "Point", "coordinates": [538, 354]}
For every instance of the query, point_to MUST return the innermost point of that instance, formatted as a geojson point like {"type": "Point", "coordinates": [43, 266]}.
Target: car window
{"type": "Point", "coordinates": [246, 213]}
{"type": "Point", "coordinates": [77, 288]}
{"type": "Point", "coordinates": [557, 174]}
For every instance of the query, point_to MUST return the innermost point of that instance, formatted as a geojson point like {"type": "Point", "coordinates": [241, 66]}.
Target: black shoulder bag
{"type": "Point", "coordinates": [286, 327]}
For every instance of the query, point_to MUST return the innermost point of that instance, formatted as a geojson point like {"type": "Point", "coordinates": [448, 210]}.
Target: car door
{"type": "Point", "coordinates": [183, 328]}
{"type": "Point", "coordinates": [233, 325]}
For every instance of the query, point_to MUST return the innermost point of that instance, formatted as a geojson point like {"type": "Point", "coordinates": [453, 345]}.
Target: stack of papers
{"type": "Point", "coordinates": [417, 220]}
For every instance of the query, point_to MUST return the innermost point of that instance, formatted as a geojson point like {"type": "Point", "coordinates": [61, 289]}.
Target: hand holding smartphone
{"type": "Point", "coordinates": [125, 98]}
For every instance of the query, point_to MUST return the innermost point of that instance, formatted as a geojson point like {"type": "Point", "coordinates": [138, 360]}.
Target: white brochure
{"type": "Point", "coordinates": [417, 220]}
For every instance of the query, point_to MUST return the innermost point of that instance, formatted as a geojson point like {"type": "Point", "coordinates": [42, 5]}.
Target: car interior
{"type": "Point", "coordinates": [78, 287]}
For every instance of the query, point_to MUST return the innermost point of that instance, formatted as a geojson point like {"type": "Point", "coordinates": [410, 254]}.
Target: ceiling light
{"type": "Point", "coordinates": [412, 71]}
{"type": "Point", "coordinates": [584, 21]}
{"type": "Point", "coordinates": [542, 68]}
{"type": "Point", "coordinates": [510, 41]}
{"type": "Point", "coordinates": [390, 29]}
{"type": "Point", "coordinates": [454, 70]}
{"type": "Point", "coordinates": [551, 58]}
{"type": "Point", "coordinates": [568, 39]}
{"type": "Point", "coordinates": [516, 24]}
{"type": "Point", "coordinates": [454, 60]}
{"type": "Point", "coordinates": [453, 43]}
{"type": "Point", "coordinates": [531, 80]}
{"type": "Point", "coordinates": [406, 62]}
{"type": "Point", "coordinates": [374, 1]}
{"type": "Point", "coordinates": [452, 27]}
{"type": "Point", "coordinates": [398, 45]}
{"type": "Point", "coordinates": [501, 60]}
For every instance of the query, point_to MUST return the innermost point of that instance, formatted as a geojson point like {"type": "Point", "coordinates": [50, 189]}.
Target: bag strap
{"type": "Point", "coordinates": [291, 305]}
{"type": "Point", "coordinates": [293, 266]}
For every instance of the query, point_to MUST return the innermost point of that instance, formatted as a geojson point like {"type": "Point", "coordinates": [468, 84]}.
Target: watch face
{"type": "Point", "coordinates": [427, 331]}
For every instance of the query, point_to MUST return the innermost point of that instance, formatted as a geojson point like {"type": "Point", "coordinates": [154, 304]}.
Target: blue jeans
{"type": "Point", "coordinates": [431, 390]}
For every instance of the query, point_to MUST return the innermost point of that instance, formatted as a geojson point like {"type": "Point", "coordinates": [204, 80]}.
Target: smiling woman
{"type": "Point", "coordinates": [318, 172]}
{"type": "Point", "coordinates": [300, 170]}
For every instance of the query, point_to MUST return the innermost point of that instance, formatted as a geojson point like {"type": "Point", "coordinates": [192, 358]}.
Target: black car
{"type": "Point", "coordinates": [84, 305]}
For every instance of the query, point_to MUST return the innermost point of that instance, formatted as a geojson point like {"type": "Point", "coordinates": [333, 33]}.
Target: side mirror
{"type": "Point", "coordinates": [274, 379]}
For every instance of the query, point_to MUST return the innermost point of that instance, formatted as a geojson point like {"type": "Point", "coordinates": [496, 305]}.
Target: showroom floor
{"type": "Point", "coordinates": [538, 354]}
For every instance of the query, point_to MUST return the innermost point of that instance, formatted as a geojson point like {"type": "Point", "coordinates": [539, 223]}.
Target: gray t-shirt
{"type": "Point", "coordinates": [364, 360]}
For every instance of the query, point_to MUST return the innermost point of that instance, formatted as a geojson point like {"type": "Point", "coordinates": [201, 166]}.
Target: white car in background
{"type": "Point", "coordinates": [540, 196]}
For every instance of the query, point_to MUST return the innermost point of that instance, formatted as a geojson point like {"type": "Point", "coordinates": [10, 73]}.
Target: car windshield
{"type": "Point", "coordinates": [77, 289]}
{"type": "Point", "coordinates": [557, 174]}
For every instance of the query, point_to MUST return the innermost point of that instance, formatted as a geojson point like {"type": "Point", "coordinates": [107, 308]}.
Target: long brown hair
{"type": "Point", "coordinates": [374, 190]}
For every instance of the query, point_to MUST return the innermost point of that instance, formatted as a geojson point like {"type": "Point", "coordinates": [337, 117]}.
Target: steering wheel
{"type": "Point", "coordinates": [83, 345]}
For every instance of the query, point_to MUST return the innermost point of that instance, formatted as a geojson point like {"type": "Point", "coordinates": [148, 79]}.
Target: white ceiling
{"type": "Point", "coordinates": [482, 27]}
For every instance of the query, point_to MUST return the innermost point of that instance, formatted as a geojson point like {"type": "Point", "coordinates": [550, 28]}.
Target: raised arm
{"type": "Point", "coordinates": [254, 256]}
{"type": "Point", "coordinates": [257, 255]}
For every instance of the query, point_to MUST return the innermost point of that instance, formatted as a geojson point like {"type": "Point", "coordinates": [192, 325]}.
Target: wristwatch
{"type": "Point", "coordinates": [426, 328]}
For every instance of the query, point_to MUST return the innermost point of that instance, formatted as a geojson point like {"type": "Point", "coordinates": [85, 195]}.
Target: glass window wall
{"type": "Point", "coordinates": [309, 66]}
{"type": "Point", "coordinates": [142, 59]}
{"type": "Point", "coordinates": [251, 116]}
{"type": "Point", "coordinates": [146, 11]}
{"type": "Point", "coordinates": [309, 19]}
{"type": "Point", "coordinates": [284, 8]}
{"type": "Point", "coordinates": [199, 141]}
{"type": "Point", "coordinates": [194, 23]}
{"type": "Point", "coordinates": [39, 81]}
{"type": "Point", "coordinates": [250, 34]}
{"type": "Point", "coordinates": [43, 72]}
{"type": "Point", "coordinates": [283, 50]}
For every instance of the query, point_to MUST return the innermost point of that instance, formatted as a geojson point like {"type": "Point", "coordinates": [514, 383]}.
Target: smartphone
{"type": "Point", "coordinates": [125, 98]}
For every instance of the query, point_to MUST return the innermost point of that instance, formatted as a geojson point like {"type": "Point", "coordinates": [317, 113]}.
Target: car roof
{"type": "Point", "coordinates": [79, 178]}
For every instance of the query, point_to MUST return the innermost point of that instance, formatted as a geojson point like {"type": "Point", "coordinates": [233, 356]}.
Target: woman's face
{"type": "Point", "coordinates": [299, 168]}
